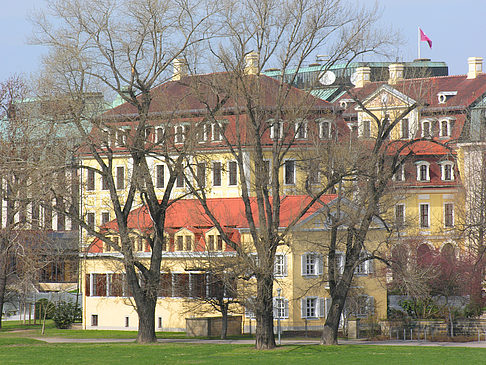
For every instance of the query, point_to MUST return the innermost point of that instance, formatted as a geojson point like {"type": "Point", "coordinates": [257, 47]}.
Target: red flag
{"type": "Point", "coordinates": [424, 38]}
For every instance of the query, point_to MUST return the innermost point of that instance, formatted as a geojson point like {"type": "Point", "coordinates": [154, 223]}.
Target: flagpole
{"type": "Point", "coordinates": [418, 44]}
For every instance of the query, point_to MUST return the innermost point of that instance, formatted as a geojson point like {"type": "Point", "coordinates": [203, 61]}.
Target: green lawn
{"type": "Point", "coordinates": [36, 353]}
{"type": "Point", "coordinates": [18, 347]}
{"type": "Point", "coordinates": [17, 329]}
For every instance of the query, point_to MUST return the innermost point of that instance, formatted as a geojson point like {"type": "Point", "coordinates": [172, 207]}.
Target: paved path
{"type": "Point", "coordinates": [478, 344]}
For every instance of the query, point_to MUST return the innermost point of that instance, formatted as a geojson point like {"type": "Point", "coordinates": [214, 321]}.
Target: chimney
{"type": "Point", "coordinates": [396, 73]}
{"type": "Point", "coordinates": [475, 67]}
{"type": "Point", "coordinates": [180, 69]}
{"type": "Point", "coordinates": [251, 63]}
{"type": "Point", "coordinates": [362, 76]}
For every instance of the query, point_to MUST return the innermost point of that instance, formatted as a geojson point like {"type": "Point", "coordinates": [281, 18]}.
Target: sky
{"type": "Point", "coordinates": [457, 29]}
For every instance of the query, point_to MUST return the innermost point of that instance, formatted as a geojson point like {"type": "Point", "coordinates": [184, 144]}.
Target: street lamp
{"type": "Point", "coordinates": [279, 329]}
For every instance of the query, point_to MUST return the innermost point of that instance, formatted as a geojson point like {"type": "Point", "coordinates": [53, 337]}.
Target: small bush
{"type": "Point", "coordinates": [473, 310]}
{"type": "Point", "coordinates": [65, 314]}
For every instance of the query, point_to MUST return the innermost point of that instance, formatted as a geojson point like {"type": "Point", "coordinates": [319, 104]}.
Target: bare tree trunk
{"type": "Point", "coordinates": [265, 338]}
{"type": "Point", "coordinates": [331, 327]}
{"type": "Point", "coordinates": [3, 286]}
{"type": "Point", "coordinates": [224, 321]}
{"type": "Point", "coordinates": [146, 322]}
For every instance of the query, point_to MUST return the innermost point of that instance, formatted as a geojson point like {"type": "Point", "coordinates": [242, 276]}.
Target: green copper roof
{"type": "Point", "coordinates": [352, 65]}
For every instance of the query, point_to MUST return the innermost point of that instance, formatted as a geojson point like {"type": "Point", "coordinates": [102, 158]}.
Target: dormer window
{"type": "Point", "coordinates": [443, 96]}
{"type": "Point", "coordinates": [149, 131]}
{"type": "Point", "coordinates": [121, 137]}
{"type": "Point", "coordinates": [400, 174]}
{"type": "Point", "coordinates": [202, 132]}
{"type": "Point", "coordinates": [184, 240]}
{"type": "Point", "coordinates": [447, 171]}
{"type": "Point", "coordinates": [214, 242]}
{"type": "Point", "coordinates": [426, 129]}
{"type": "Point", "coordinates": [344, 103]}
{"type": "Point", "coordinates": [446, 127]}
{"type": "Point", "coordinates": [159, 134]}
{"type": "Point", "coordinates": [179, 134]}
{"type": "Point", "coordinates": [276, 129]}
{"type": "Point", "coordinates": [423, 171]}
{"type": "Point", "coordinates": [325, 129]}
{"type": "Point", "coordinates": [218, 129]}
{"type": "Point", "coordinates": [301, 129]}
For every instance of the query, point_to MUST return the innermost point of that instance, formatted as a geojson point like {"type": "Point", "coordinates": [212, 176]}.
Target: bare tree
{"type": "Point", "coordinates": [286, 35]}
{"type": "Point", "coordinates": [25, 247]}
{"type": "Point", "coordinates": [125, 47]}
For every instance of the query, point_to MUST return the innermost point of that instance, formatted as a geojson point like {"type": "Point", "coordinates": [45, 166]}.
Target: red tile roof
{"type": "Point", "coordinates": [190, 214]}
{"type": "Point", "coordinates": [425, 90]}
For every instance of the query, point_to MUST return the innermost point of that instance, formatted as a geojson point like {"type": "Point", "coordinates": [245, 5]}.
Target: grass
{"type": "Point", "coordinates": [17, 329]}
{"type": "Point", "coordinates": [29, 353]}
{"type": "Point", "coordinates": [18, 347]}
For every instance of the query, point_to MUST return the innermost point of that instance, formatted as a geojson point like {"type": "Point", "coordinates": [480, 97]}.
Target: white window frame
{"type": "Point", "coordinates": [443, 166]}
{"type": "Point", "coordinates": [229, 173]}
{"type": "Point", "coordinates": [366, 127]}
{"type": "Point", "coordinates": [311, 268]}
{"type": "Point", "coordinates": [214, 175]}
{"type": "Point", "coordinates": [428, 215]}
{"type": "Point", "coordinates": [280, 266]}
{"type": "Point", "coordinates": [453, 218]}
{"type": "Point", "coordinates": [285, 172]}
{"type": "Point", "coordinates": [159, 134]}
{"type": "Point", "coordinates": [400, 174]}
{"type": "Point", "coordinates": [449, 123]}
{"type": "Point", "coordinates": [340, 262]}
{"type": "Point", "coordinates": [93, 316]}
{"type": "Point", "coordinates": [300, 128]}
{"type": "Point", "coordinates": [280, 308]}
{"type": "Point", "coordinates": [179, 133]}
{"type": "Point", "coordinates": [365, 267]}
{"type": "Point", "coordinates": [325, 133]}
{"type": "Point", "coordinates": [204, 128]}
{"type": "Point", "coordinates": [276, 127]}
{"type": "Point", "coordinates": [427, 172]}
{"type": "Point", "coordinates": [312, 307]}
{"type": "Point", "coordinates": [430, 129]}
{"type": "Point", "coordinates": [149, 132]}
{"type": "Point", "coordinates": [217, 130]}
{"type": "Point", "coordinates": [369, 308]}
{"type": "Point", "coordinates": [402, 221]}
{"type": "Point", "coordinates": [120, 137]}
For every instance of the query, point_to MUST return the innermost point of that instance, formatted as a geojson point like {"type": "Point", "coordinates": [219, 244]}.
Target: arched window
{"type": "Point", "coordinates": [447, 170]}
{"type": "Point", "coordinates": [426, 128]}
{"type": "Point", "coordinates": [446, 127]}
{"type": "Point", "coordinates": [423, 171]}
{"type": "Point", "coordinates": [448, 252]}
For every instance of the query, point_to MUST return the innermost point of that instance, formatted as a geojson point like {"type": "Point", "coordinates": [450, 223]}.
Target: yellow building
{"type": "Point", "coordinates": [442, 121]}
{"type": "Point", "coordinates": [193, 243]}
{"type": "Point", "coordinates": [301, 295]}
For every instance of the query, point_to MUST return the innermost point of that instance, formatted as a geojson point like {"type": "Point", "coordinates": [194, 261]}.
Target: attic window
{"type": "Point", "coordinates": [345, 102]}
{"type": "Point", "coordinates": [446, 126]}
{"type": "Point", "coordinates": [443, 96]}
